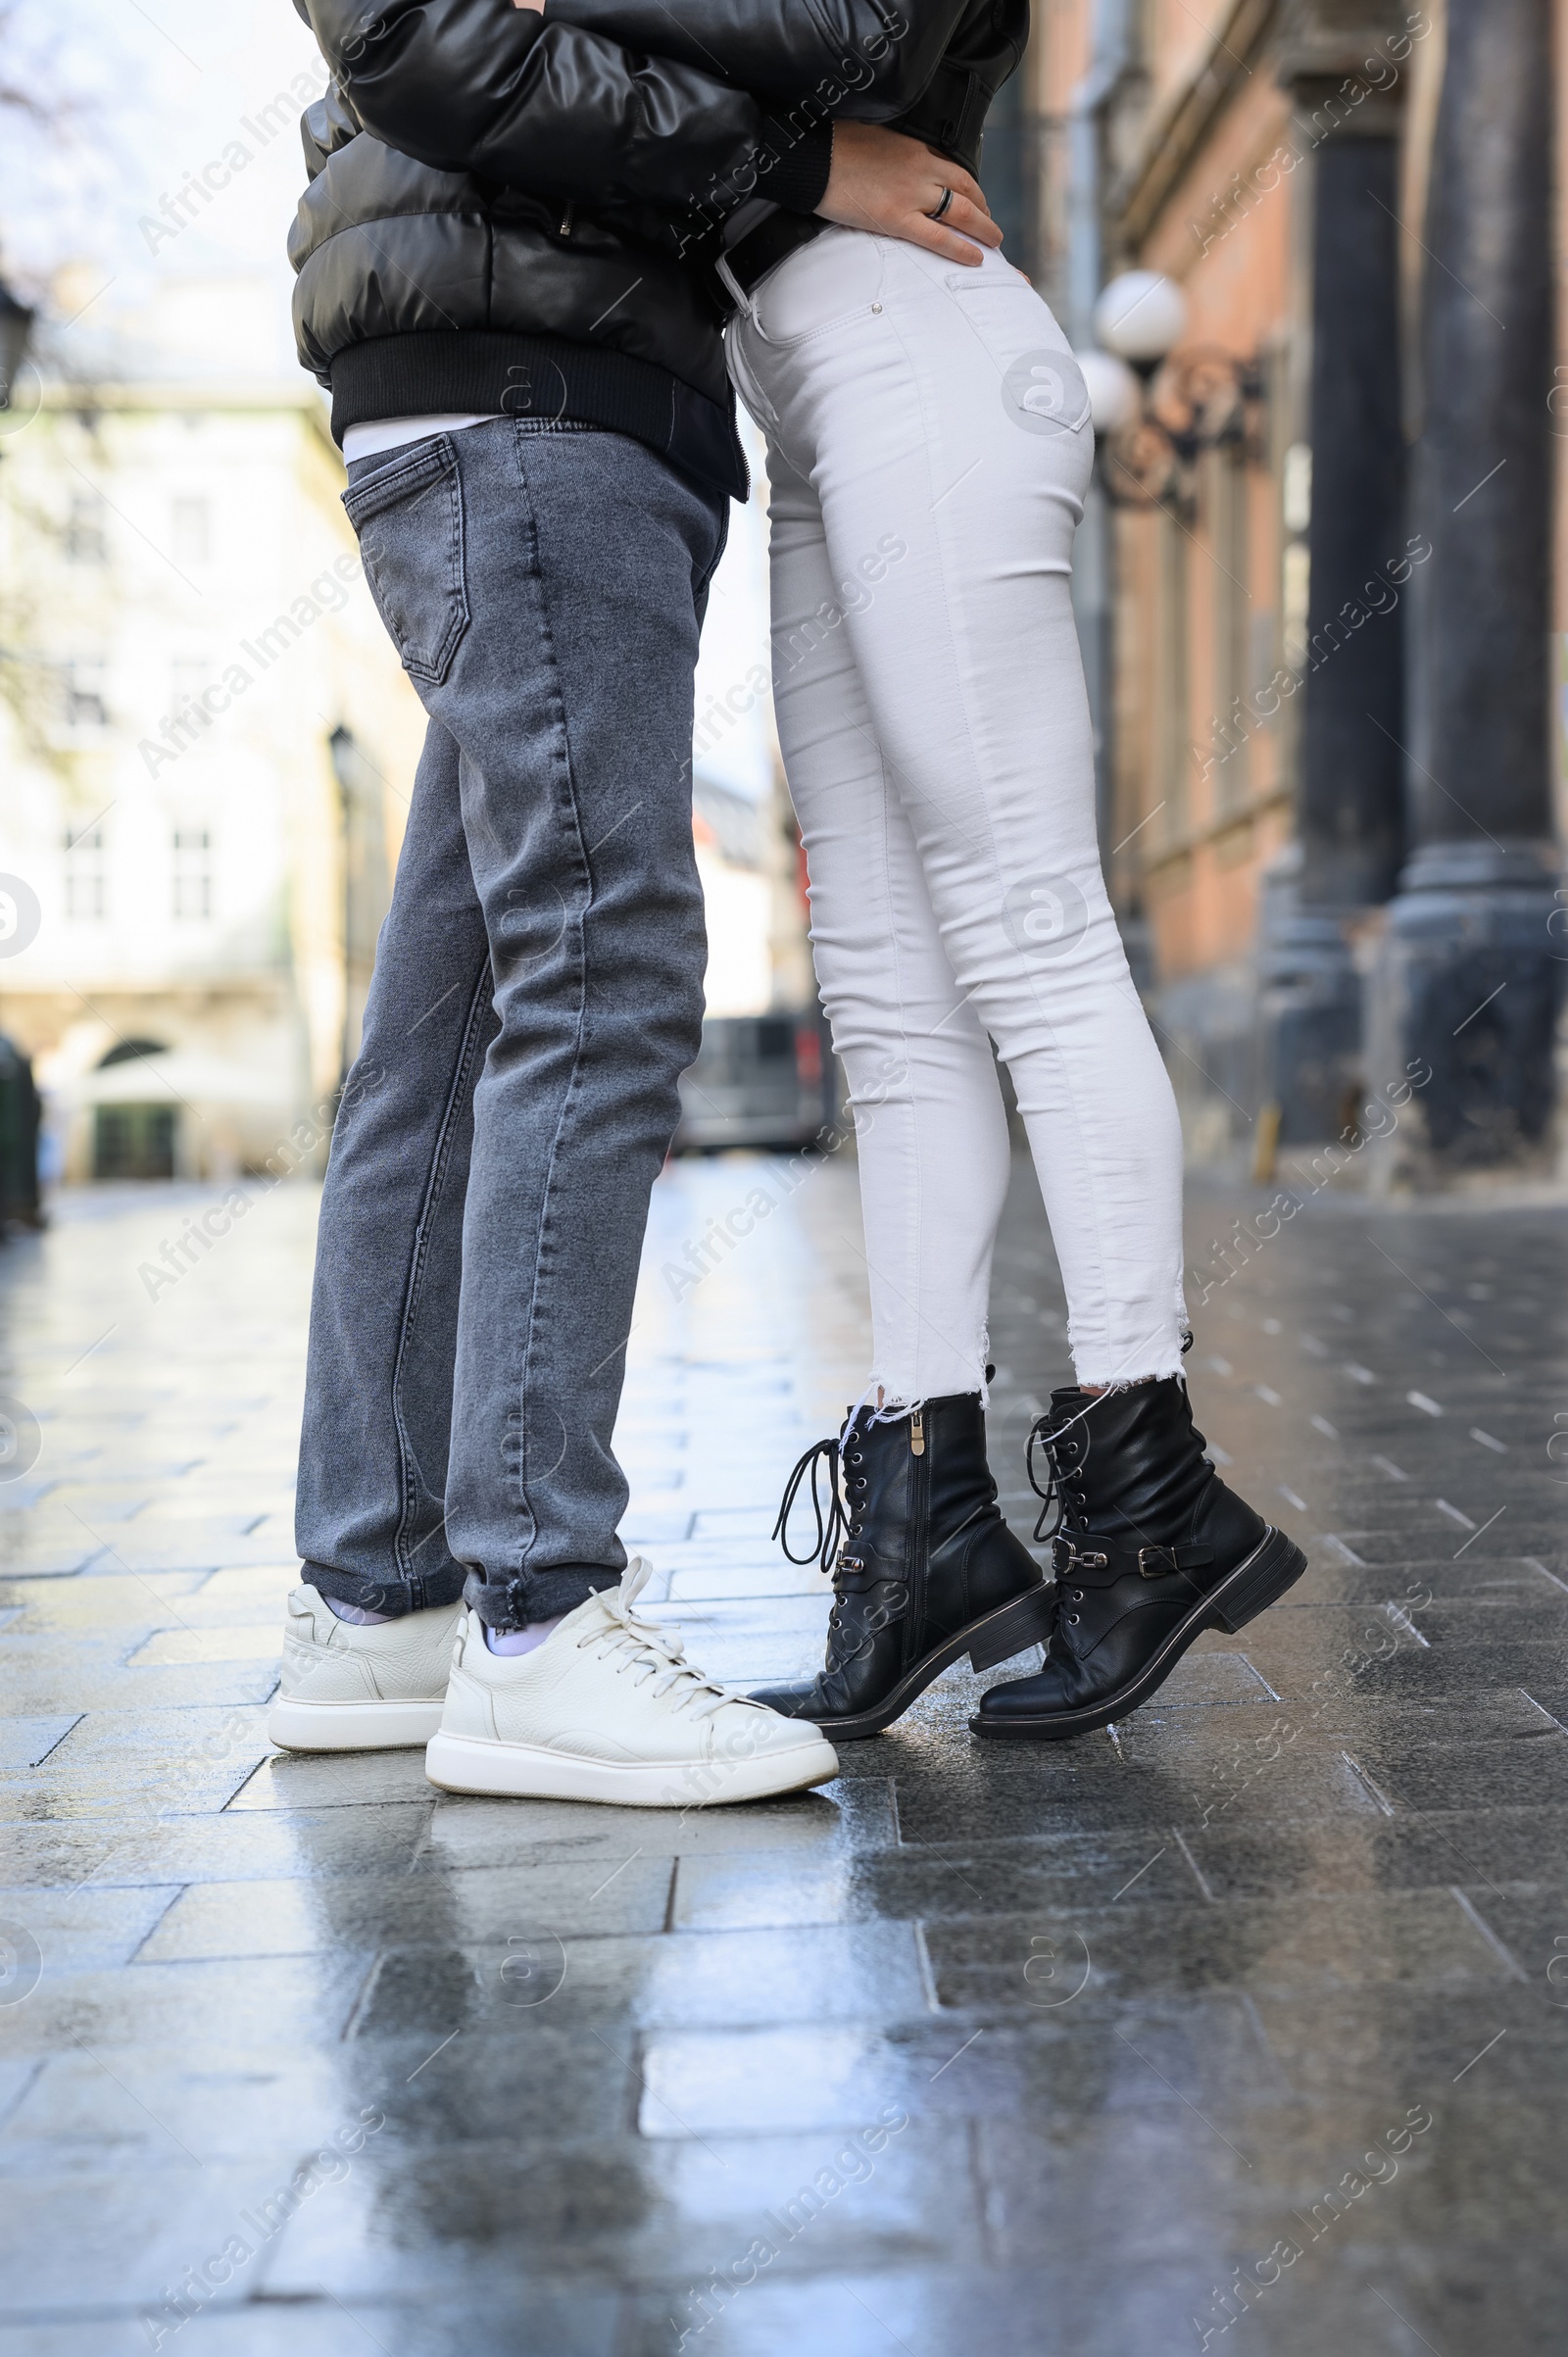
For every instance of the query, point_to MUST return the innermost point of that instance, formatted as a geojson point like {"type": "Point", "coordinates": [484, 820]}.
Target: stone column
{"type": "Point", "coordinates": [1467, 981]}
{"type": "Point", "coordinates": [1349, 817]}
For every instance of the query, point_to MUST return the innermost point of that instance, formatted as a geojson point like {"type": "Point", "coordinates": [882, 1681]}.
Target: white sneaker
{"type": "Point", "coordinates": [608, 1710]}
{"type": "Point", "coordinates": [348, 1687]}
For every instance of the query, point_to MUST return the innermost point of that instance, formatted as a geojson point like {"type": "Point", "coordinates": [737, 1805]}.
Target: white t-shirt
{"type": "Point", "coordinates": [390, 433]}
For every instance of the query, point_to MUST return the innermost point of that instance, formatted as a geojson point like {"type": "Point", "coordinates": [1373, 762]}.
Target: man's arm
{"type": "Point", "coordinates": [483, 86]}
{"type": "Point", "coordinates": [879, 54]}
{"type": "Point", "coordinates": [878, 181]}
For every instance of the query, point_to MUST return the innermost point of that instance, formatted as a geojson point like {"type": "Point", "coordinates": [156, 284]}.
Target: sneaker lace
{"type": "Point", "coordinates": [653, 1652]}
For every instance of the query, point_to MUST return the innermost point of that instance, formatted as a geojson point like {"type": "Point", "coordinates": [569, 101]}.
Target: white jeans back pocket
{"type": "Point", "coordinates": [1042, 388]}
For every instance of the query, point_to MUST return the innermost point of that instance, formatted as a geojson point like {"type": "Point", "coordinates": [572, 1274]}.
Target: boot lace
{"type": "Point", "coordinates": [838, 1518]}
{"type": "Point", "coordinates": [833, 1467]}
{"type": "Point", "coordinates": [1063, 1458]}
{"type": "Point", "coordinates": [834, 1519]}
{"type": "Point", "coordinates": [832, 1522]}
{"type": "Point", "coordinates": [1051, 1434]}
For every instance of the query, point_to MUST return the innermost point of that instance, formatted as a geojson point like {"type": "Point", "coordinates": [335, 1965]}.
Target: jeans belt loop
{"type": "Point", "coordinates": [741, 299]}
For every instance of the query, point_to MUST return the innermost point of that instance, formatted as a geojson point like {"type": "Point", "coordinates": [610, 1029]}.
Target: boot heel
{"type": "Point", "coordinates": [1013, 1629]}
{"type": "Point", "coordinates": [1276, 1564]}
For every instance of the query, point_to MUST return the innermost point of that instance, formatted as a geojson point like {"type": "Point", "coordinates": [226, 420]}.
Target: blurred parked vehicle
{"type": "Point", "coordinates": [760, 1080]}
{"type": "Point", "coordinates": [765, 1076]}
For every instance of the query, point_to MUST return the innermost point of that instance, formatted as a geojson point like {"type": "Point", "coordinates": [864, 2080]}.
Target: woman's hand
{"type": "Point", "coordinates": [883, 181]}
{"type": "Point", "coordinates": [538, 6]}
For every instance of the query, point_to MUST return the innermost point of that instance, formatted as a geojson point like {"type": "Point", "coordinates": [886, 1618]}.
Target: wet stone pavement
{"type": "Point", "coordinates": [1241, 2024]}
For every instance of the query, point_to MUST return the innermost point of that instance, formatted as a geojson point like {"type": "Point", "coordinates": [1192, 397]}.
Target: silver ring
{"type": "Point", "coordinates": [946, 199]}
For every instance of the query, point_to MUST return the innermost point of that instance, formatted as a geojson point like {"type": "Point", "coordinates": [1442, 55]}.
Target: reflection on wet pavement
{"type": "Point", "coordinates": [1248, 2014]}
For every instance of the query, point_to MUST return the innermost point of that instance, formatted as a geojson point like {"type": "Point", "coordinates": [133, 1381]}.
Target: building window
{"type": "Point", "coordinates": [133, 1141]}
{"type": "Point", "coordinates": [191, 528]}
{"type": "Point", "coordinates": [86, 876]}
{"type": "Point", "coordinates": [193, 873]}
{"type": "Point", "coordinates": [86, 542]}
{"type": "Point", "coordinates": [85, 700]}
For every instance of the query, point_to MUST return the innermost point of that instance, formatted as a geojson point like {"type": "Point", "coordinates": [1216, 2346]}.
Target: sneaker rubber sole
{"type": "Point", "coordinates": [465, 1763]}
{"type": "Point", "coordinates": [296, 1726]}
{"type": "Point", "coordinates": [1275, 1564]}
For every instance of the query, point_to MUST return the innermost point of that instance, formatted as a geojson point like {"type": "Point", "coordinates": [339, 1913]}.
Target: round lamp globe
{"type": "Point", "coordinates": [1116, 397]}
{"type": "Point", "coordinates": [1141, 316]}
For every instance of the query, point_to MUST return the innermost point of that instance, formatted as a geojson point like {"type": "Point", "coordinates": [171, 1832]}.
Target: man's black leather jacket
{"type": "Point", "coordinates": [514, 212]}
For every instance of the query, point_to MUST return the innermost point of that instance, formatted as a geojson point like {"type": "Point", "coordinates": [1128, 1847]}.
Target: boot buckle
{"type": "Point", "coordinates": [1067, 1557]}
{"type": "Point", "coordinates": [1160, 1570]}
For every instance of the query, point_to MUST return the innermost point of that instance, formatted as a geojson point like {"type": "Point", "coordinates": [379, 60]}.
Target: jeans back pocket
{"type": "Point", "coordinates": [409, 520]}
{"type": "Point", "coordinates": [1043, 387]}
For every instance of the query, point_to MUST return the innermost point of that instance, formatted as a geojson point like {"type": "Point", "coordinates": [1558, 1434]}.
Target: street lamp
{"type": "Point", "coordinates": [1140, 317]}
{"type": "Point", "coordinates": [1158, 413]}
{"type": "Point", "coordinates": [15, 326]}
{"type": "Point", "coordinates": [1115, 396]}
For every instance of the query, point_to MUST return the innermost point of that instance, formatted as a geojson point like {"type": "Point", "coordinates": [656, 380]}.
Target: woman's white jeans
{"type": "Point", "coordinates": [929, 448]}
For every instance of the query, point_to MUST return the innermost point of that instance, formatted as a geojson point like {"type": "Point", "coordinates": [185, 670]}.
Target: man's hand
{"type": "Point", "coordinates": [883, 181]}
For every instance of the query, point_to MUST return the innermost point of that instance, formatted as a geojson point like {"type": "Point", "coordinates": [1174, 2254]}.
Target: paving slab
{"type": "Point", "coordinates": [868, 2068]}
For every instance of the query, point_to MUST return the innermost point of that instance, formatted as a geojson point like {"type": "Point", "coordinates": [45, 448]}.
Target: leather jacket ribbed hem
{"type": "Point", "coordinates": [538, 377]}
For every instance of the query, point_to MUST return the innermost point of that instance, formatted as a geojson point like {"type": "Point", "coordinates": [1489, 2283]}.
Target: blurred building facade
{"type": "Point", "coordinates": [207, 751]}
{"type": "Point", "coordinates": [1322, 587]}
{"type": "Point", "coordinates": [208, 747]}
{"type": "Point", "coordinates": [1322, 579]}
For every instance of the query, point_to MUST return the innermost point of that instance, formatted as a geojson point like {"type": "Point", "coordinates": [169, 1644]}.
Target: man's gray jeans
{"type": "Point", "coordinates": [537, 995]}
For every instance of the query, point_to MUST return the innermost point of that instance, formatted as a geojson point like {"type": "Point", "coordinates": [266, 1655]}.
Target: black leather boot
{"type": "Point", "coordinates": [1151, 1549]}
{"type": "Point", "coordinates": [928, 1568]}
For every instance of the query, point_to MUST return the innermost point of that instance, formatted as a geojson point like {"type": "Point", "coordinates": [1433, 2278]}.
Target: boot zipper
{"type": "Point", "coordinates": [918, 1537]}
{"type": "Point", "coordinates": [566, 222]}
